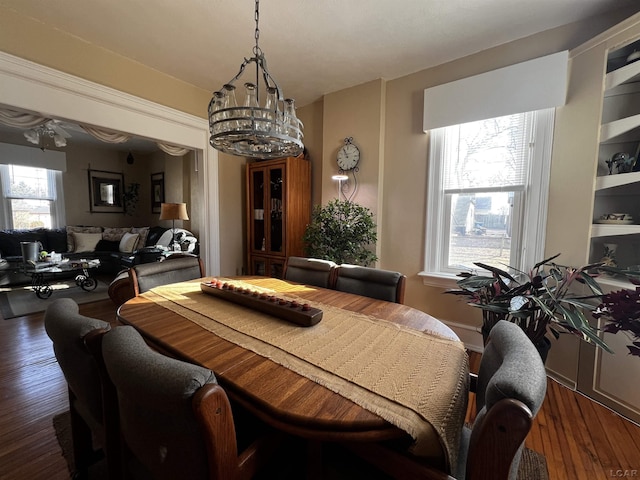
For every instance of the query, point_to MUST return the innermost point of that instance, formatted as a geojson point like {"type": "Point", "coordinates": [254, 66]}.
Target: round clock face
{"type": "Point", "coordinates": [348, 157]}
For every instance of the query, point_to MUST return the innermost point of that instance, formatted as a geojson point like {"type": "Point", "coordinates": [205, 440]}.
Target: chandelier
{"type": "Point", "coordinates": [250, 130]}
{"type": "Point", "coordinates": [42, 134]}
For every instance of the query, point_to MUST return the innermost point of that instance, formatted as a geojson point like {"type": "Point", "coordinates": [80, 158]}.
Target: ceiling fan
{"type": "Point", "coordinates": [49, 130]}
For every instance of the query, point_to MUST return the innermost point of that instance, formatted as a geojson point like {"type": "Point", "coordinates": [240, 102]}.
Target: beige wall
{"type": "Point", "coordinates": [355, 112]}
{"type": "Point", "coordinates": [232, 218]}
{"type": "Point", "coordinates": [311, 117]}
{"type": "Point", "coordinates": [35, 41]}
{"type": "Point", "coordinates": [76, 186]}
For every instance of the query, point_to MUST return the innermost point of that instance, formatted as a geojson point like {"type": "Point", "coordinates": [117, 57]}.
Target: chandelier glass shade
{"type": "Point", "coordinates": [40, 135]}
{"type": "Point", "coordinates": [250, 130]}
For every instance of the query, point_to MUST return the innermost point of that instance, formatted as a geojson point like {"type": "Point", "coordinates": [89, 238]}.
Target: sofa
{"type": "Point", "coordinates": [113, 246]}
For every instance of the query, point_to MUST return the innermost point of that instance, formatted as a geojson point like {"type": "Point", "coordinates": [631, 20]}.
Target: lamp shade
{"type": "Point", "coordinates": [173, 211]}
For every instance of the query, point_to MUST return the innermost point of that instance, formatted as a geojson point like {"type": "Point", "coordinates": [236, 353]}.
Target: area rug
{"type": "Point", "coordinates": [22, 300]}
{"type": "Point", "coordinates": [62, 427]}
{"type": "Point", "coordinates": [533, 465]}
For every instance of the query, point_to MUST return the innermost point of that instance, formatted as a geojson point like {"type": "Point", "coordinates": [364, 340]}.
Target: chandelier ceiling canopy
{"type": "Point", "coordinates": [255, 130]}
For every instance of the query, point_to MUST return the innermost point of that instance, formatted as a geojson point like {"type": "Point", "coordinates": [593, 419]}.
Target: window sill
{"type": "Point", "coordinates": [440, 280]}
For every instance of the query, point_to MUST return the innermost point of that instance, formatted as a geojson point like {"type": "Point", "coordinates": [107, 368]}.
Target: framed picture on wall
{"type": "Point", "coordinates": [105, 192]}
{"type": "Point", "coordinates": [157, 191]}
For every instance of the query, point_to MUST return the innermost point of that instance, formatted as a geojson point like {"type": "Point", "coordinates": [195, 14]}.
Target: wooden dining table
{"type": "Point", "coordinates": [276, 394]}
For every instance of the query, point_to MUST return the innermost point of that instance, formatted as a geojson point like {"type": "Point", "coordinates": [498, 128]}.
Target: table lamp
{"type": "Point", "coordinates": [173, 212]}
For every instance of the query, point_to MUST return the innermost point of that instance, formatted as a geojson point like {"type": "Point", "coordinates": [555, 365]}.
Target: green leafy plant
{"type": "Point", "coordinates": [541, 301]}
{"type": "Point", "coordinates": [341, 231]}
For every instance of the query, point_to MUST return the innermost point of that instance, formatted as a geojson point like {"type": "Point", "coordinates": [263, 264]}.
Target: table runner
{"type": "Point", "coordinates": [414, 380]}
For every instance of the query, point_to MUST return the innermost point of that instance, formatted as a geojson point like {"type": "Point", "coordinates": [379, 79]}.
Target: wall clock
{"type": "Point", "coordinates": [348, 155]}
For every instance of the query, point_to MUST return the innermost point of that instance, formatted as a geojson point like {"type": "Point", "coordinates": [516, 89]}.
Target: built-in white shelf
{"type": "Point", "coordinates": [603, 230]}
{"type": "Point", "coordinates": [617, 180]}
{"type": "Point", "coordinates": [611, 130]}
{"type": "Point", "coordinates": [609, 283]}
{"type": "Point", "coordinates": [628, 73]}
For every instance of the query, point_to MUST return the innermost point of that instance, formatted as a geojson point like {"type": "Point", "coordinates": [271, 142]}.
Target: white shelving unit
{"type": "Point", "coordinates": [619, 192]}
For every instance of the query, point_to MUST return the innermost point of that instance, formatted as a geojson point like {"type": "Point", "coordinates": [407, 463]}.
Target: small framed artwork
{"type": "Point", "coordinates": [105, 192]}
{"type": "Point", "coordinates": [157, 191]}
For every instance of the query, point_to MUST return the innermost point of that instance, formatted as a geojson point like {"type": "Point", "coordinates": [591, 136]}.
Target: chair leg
{"type": "Point", "coordinates": [83, 453]}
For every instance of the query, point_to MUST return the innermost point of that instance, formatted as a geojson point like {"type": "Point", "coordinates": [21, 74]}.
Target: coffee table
{"type": "Point", "coordinates": [42, 272]}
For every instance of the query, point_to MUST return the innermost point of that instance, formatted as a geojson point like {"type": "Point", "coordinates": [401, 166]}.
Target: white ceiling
{"type": "Point", "coordinates": [312, 47]}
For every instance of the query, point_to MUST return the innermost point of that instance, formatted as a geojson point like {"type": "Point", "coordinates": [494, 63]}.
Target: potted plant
{"type": "Point", "coordinates": [541, 301]}
{"type": "Point", "coordinates": [341, 231]}
{"type": "Point", "coordinates": [621, 311]}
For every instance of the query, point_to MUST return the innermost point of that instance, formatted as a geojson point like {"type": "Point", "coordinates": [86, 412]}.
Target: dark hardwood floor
{"type": "Point", "coordinates": [580, 438]}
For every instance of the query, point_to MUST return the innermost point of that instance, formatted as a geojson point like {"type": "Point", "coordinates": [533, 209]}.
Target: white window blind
{"type": "Point", "coordinates": [487, 156]}
{"type": "Point", "coordinates": [28, 182]}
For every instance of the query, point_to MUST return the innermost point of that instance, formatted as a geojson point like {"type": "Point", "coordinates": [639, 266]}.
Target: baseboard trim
{"type": "Point", "coordinates": [468, 334]}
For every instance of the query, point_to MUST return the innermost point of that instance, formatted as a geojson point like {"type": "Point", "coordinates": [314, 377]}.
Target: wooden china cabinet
{"type": "Point", "coordinates": [278, 211]}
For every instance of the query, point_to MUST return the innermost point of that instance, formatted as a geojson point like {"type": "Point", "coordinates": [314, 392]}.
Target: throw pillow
{"type": "Point", "coordinates": [86, 242]}
{"type": "Point", "coordinates": [114, 234]}
{"type": "Point", "coordinates": [144, 233]}
{"type": "Point", "coordinates": [129, 242]}
{"type": "Point", "coordinates": [72, 229]}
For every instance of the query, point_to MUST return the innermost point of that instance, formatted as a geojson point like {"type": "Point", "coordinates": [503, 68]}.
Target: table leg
{"type": "Point", "coordinates": [40, 286]}
{"type": "Point", "coordinates": [314, 460]}
{"type": "Point", "coordinates": [85, 281]}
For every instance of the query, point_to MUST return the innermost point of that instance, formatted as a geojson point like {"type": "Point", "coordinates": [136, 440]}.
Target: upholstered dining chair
{"type": "Point", "coordinates": [175, 420]}
{"type": "Point", "coordinates": [510, 388]}
{"type": "Point", "coordinates": [311, 271]}
{"type": "Point", "coordinates": [371, 282]}
{"type": "Point", "coordinates": [68, 331]}
{"type": "Point", "coordinates": [146, 276]}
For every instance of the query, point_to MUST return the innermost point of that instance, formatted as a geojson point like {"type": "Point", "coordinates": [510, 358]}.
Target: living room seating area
{"type": "Point", "coordinates": [115, 247]}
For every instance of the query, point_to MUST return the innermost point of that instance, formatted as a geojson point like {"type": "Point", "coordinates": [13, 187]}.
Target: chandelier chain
{"type": "Point", "coordinates": [251, 129]}
{"type": "Point", "coordinates": [256, 49]}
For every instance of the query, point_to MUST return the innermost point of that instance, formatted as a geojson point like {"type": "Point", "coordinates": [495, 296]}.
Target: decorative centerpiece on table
{"type": "Point", "coordinates": [546, 300]}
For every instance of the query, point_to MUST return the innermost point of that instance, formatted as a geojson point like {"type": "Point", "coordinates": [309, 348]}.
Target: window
{"type": "Point", "coordinates": [488, 185]}
{"type": "Point", "coordinates": [31, 197]}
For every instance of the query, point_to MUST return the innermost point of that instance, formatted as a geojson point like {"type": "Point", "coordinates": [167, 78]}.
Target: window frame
{"type": "Point", "coordinates": [530, 223]}
{"type": "Point", "coordinates": [56, 197]}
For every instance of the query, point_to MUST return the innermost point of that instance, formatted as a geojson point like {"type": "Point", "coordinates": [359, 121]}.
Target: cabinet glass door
{"type": "Point", "coordinates": [258, 267]}
{"type": "Point", "coordinates": [276, 269]}
{"type": "Point", "coordinates": [276, 199]}
{"type": "Point", "coordinates": [258, 200]}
